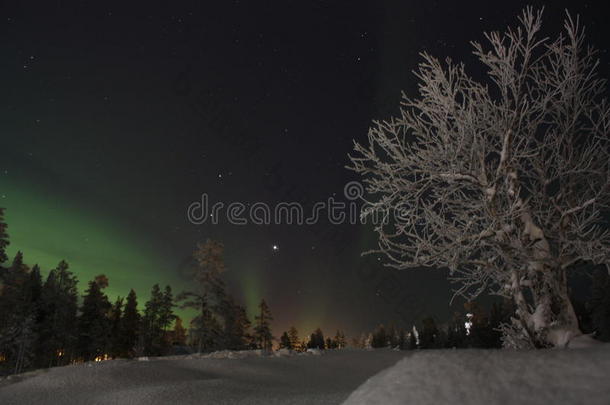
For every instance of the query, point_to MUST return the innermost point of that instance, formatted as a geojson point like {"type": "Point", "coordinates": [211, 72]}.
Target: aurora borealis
{"type": "Point", "coordinates": [115, 119]}
{"type": "Point", "coordinates": [49, 228]}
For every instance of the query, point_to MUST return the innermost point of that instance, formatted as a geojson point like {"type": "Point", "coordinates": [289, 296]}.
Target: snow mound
{"type": "Point", "coordinates": [235, 354]}
{"type": "Point", "coordinates": [554, 376]}
{"type": "Point", "coordinates": [284, 353]}
{"type": "Point", "coordinates": [314, 352]}
{"type": "Point", "coordinates": [255, 380]}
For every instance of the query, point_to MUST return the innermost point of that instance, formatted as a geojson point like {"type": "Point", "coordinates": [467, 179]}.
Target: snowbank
{"type": "Point", "coordinates": [278, 378]}
{"type": "Point", "coordinates": [236, 354]}
{"type": "Point", "coordinates": [556, 376]}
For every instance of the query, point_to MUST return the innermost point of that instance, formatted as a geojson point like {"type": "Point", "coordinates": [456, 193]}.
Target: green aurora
{"type": "Point", "coordinates": [48, 228]}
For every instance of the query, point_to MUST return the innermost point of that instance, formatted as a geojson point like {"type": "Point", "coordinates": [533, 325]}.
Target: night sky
{"type": "Point", "coordinates": [115, 118]}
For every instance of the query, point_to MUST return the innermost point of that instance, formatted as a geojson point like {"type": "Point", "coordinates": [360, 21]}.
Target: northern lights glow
{"type": "Point", "coordinates": [48, 228]}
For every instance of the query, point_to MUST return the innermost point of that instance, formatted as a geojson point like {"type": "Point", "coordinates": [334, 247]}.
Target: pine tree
{"type": "Point", "coordinates": [158, 316]}
{"type": "Point", "coordinates": [179, 333]}
{"type": "Point", "coordinates": [166, 315]}
{"type": "Point", "coordinates": [94, 323]}
{"type": "Point", "coordinates": [380, 337]}
{"type": "Point", "coordinates": [316, 340]}
{"type": "Point", "coordinates": [209, 298]}
{"type": "Point", "coordinates": [35, 284]}
{"type": "Point", "coordinates": [116, 313]}
{"type": "Point", "coordinates": [18, 267]}
{"type": "Point", "coordinates": [25, 318]}
{"type": "Point", "coordinates": [205, 330]}
{"type": "Point", "coordinates": [152, 327]}
{"type": "Point", "coordinates": [236, 325]}
{"type": "Point", "coordinates": [4, 241]}
{"type": "Point", "coordinates": [293, 336]}
{"type": "Point", "coordinates": [17, 315]}
{"type": "Point", "coordinates": [339, 342]}
{"type": "Point", "coordinates": [285, 341]}
{"type": "Point", "coordinates": [58, 317]}
{"type": "Point", "coordinates": [262, 329]}
{"type": "Point", "coordinates": [130, 326]}
{"type": "Point", "coordinates": [367, 342]}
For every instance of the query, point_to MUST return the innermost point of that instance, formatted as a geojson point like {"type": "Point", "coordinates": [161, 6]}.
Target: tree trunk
{"type": "Point", "coordinates": [551, 321]}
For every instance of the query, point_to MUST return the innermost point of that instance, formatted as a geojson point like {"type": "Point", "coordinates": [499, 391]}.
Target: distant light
{"type": "Point", "coordinates": [275, 248]}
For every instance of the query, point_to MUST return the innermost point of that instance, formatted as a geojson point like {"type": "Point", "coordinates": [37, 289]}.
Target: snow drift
{"type": "Point", "coordinates": [554, 376]}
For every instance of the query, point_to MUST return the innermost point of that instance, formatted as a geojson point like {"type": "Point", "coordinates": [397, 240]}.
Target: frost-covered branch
{"type": "Point", "coordinates": [504, 182]}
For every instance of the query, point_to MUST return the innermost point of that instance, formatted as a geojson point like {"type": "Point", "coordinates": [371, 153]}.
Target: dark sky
{"type": "Point", "coordinates": [116, 117]}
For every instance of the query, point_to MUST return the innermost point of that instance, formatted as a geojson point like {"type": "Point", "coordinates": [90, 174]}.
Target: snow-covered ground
{"type": "Point", "coordinates": [555, 376]}
{"type": "Point", "coordinates": [218, 378]}
{"type": "Point", "coordinates": [574, 376]}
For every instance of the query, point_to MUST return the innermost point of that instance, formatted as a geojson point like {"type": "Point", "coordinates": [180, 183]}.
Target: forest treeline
{"type": "Point", "coordinates": [45, 322]}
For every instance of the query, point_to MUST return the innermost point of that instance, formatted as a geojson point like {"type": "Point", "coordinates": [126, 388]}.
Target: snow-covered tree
{"type": "Point", "coordinates": [208, 296]}
{"type": "Point", "coordinates": [503, 181]}
{"type": "Point", "coordinates": [262, 327]}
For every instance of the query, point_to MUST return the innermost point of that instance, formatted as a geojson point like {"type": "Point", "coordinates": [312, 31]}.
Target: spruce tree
{"type": "Point", "coordinates": [316, 340]}
{"type": "Point", "coordinates": [25, 318]}
{"type": "Point", "coordinates": [205, 329]}
{"type": "Point", "coordinates": [179, 333]}
{"type": "Point", "coordinates": [130, 326]}
{"type": "Point", "coordinates": [152, 328]}
{"type": "Point", "coordinates": [94, 323]}
{"type": "Point", "coordinates": [285, 341]}
{"type": "Point", "coordinates": [209, 297]}
{"type": "Point", "coordinates": [339, 342]}
{"type": "Point", "coordinates": [380, 338]}
{"type": "Point", "coordinates": [293, 335]}
{"type": "Point", "coordinates": [4, 241]}
{"type": "Point", "coordinates": [236, 326]}
{"type": "Point", "coordinates": [166, 315]}
{"type": "Point", "coordinates": [16, 316]}
{"type": "Point", "coordinates": [58, 317]}
{"type": "Point", "coordinates": [116, 313]}
{"type": "Point", "coordinates": [262, 329]}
